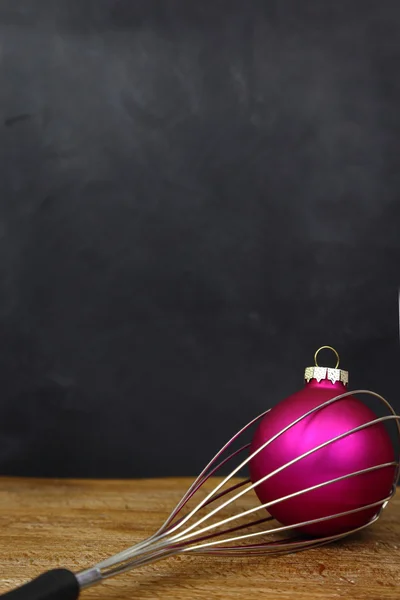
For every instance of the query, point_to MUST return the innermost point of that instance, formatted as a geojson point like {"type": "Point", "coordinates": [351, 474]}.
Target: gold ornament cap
{"type": "Point", "coordinates": [332, 374]}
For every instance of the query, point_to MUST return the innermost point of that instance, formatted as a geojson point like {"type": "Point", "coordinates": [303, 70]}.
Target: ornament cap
{"type": "Point", "coordinates": [333, 374]}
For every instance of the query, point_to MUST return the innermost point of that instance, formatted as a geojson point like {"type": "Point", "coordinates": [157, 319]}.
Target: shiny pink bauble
{"type": "Point", "coordinates": [366, 448]}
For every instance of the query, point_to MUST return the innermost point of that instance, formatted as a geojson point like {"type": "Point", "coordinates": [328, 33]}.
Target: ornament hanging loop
{"type": "Point", "coordinates": [327, 348]}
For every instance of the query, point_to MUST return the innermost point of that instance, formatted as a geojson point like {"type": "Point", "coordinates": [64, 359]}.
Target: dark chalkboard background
{"type": "Point", "coordinates": [194, 197]}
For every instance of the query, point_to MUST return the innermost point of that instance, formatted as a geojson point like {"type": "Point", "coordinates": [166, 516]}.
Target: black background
{"type": "Point", "coordinates": [194, 197]}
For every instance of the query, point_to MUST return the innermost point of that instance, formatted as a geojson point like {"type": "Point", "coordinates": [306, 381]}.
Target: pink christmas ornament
{"type": "Point", "coordinates": [366, 448]}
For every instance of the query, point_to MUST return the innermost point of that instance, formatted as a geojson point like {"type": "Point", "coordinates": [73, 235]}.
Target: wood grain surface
{"type": "Point", "coordinates": [75, 523]}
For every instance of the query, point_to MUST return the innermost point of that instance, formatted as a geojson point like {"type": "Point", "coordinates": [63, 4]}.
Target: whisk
{"type": "Point", "coordinates": [208, 529]}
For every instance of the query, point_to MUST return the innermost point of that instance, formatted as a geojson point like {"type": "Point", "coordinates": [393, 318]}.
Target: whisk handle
{"type": "Point", "coordinates": [57, 584]}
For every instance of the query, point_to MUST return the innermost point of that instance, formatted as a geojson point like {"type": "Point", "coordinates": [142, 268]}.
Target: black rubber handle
{"type": "Point", "coordinates": [57, 584]}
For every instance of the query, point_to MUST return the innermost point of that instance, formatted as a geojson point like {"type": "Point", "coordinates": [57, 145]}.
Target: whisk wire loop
{"type": "Point", "coordinates": [190, 533]}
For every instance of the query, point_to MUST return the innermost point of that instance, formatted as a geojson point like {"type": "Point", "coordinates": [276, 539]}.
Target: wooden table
{"type": "Point", "coordinates": [75, 523]}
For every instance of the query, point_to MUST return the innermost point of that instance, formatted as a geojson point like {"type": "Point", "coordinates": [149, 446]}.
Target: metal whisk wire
{"type": "Point", "coordinates": [190, 533]}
